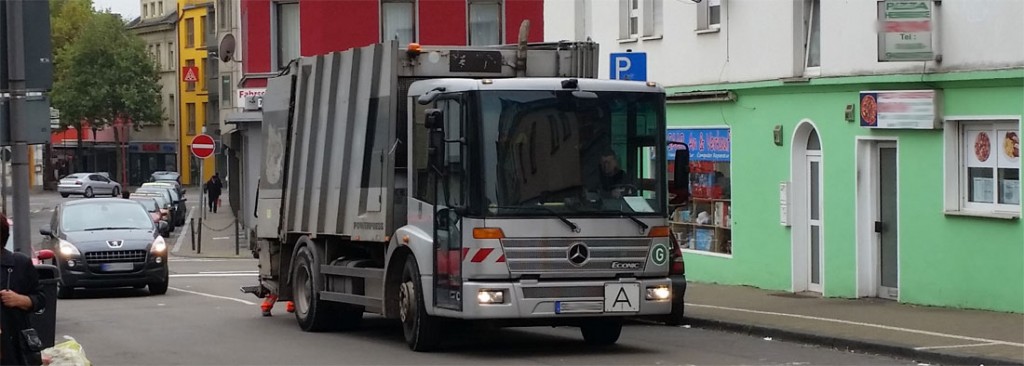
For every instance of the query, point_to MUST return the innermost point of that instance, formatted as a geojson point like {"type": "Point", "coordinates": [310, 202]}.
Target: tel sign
{"type": "Point", "coordinates": [628, 66]}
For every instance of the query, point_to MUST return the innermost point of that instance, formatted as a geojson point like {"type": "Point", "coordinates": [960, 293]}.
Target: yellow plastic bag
{"type": "Point", "coordinates": [67, 353]}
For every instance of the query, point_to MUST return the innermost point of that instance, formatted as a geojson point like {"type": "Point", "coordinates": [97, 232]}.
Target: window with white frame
{"type": "Point", "coordinates": [812, 25]}
{"type": "Point", "coordinates": [709, 15]}
{"type": "Point", "coordinates": [984, 175]}
{"type": "Point", "coordinates": [640, 19]}
{"type": "Point", "coordinates": [287, 39]}
{"type": "Point", "coordinates": [484, 22]}
{"type": "Point", "coordinates": [398, 19]}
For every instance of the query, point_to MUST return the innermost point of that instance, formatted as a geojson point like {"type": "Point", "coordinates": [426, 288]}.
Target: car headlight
{"type": "Point", "coordinates": [68, 249]}
{"type": "Point", "coordinates": [159, 245]}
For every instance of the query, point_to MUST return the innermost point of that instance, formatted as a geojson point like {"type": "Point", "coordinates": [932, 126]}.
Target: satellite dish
{"type": "Point", "coordinates": [227, 48]}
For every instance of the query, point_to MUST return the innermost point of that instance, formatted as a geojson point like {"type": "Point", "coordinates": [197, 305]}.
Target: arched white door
{"type": "Point", "coordinates": [808, 245]}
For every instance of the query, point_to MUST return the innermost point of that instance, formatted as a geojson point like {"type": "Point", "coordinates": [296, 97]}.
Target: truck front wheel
{"type": "Point", "coordinates": [421, 329]}
{"type": "Point", "coordinates": [601, 332]}
{"type": "Point", "coordinates": [312, 313]}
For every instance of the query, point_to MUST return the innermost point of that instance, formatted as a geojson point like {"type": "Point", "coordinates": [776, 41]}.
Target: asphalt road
{"type": "Point", "coordinates": [205, 320]}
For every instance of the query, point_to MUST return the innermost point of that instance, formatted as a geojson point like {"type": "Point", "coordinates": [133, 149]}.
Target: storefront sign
{"type": "Point", "coordinates": [704, 144]}
{"type": "Point", "coordinates": [152, 147]}
{"type": "Point", "coordinates": [909, 109]}
{"type": "Point", "coordinates": [906, 33]}
{"type": "Point", "coordinates": [242, 94]}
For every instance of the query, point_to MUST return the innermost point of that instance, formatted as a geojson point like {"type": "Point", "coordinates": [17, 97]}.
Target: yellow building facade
{"type": "Point", "coordinates": [193, 32]}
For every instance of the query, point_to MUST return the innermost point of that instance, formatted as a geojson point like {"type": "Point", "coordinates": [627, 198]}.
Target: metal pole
{"type": "Point", "coordinates": [18, 126]}
{"type": "Point", "coordinates": [192, 232]}
{"type": "Point", "coordinates": [238, 239]}
{"type": "Point", "coordinates": [199, 246]}
{"type": "Point", "coordinates": [3, 185]}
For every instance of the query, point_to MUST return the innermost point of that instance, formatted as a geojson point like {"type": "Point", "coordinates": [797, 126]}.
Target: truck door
{"type": "Point", "coordinates": [449, 193]}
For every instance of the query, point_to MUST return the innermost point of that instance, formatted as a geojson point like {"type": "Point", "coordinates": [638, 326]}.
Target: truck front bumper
{"type": "Point", "coordinates": [564, 299]}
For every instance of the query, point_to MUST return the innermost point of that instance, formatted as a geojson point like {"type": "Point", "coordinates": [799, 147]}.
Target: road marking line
{"type": "Point", "coordinates": [186, 259]}
{"type": "Point", "coordinates": [956, 346]}
{"type": "Point", "coordinates": [184, 231]}
{"type": "Point", "coordinates": [879, 326]}
{"type": "Point", "coordinates": [226, 272]}
{"type": "Point", "coordinates": [180, 275]}
{"type": "Point", "coordinates": [222, 238]}
{"type": "Point", "coordinates": [212, 296]}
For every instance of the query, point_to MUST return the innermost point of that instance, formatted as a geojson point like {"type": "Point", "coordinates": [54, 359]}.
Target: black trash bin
{"type": "Point", "coordinates": [45, 321]}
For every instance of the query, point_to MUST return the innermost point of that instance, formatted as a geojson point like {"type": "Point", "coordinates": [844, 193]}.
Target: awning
{"type": "Point", "coordinates": [244, 117]}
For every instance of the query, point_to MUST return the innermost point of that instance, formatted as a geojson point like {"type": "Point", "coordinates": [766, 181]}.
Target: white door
{"type": "Point", "coordinates": [814, 222]}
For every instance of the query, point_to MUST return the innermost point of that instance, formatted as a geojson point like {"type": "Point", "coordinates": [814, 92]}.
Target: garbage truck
{"type": "Point", "coordinates": [431, 185]}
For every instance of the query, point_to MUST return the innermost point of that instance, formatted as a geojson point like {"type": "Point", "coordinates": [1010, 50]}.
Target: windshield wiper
{"type": "Point", "coordinates": [575, 228]}
{"type": "Point", "coordinates": [643, 226]}
{"type": "Point", "coordinates": [111, 228]}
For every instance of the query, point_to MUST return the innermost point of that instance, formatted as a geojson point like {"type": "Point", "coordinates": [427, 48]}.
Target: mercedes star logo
{"type": "Point", "coordinates": [578, 254]}
{"type": "Point", "coordinates": [115, 243]}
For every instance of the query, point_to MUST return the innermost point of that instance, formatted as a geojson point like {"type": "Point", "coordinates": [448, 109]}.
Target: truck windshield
{"type": "Point", "coordinates": [595, 154]}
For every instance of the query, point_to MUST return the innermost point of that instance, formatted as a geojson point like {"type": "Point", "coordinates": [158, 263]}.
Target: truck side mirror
{"type": "Point", "coordinates": [434, 119]}
{"type": "Point", "coordinates": [681, 176]}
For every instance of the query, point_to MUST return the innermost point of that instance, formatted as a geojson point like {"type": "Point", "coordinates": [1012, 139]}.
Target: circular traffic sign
{"type": "Point", "coordinates": [203, 146]}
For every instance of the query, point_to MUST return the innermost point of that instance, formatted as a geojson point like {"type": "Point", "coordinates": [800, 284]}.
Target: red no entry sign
{"type": "Point", "coordinates": [203, 146]}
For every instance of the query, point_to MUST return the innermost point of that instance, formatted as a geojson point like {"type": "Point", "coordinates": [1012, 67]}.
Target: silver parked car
{"type": "Point", "coordinates": [88, 185]}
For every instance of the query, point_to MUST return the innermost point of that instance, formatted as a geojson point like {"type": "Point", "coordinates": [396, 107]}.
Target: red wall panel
{"type": "Point", "coordinates": [442, 22]}
{"type": "Point", "coordinates": [518, 10]}
{"type": "Point", "coordinates": [338, 25]}
{"type": "Point", "coordinates": [255, 36]}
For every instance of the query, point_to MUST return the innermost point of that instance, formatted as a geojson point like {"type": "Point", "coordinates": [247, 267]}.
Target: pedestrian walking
{"type": "Point", "coordinates": [213, 188]}
{"type": "Point", "coordinates": [20, 296]}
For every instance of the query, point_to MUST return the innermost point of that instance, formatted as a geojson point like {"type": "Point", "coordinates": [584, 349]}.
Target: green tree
{"type": "Point", "coordinates": [107, 78]}
{"type": "Point", "coordinates": [68, 18]}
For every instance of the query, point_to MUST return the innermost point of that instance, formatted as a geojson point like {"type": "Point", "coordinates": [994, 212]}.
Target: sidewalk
{"type": "Point", "coordinates": [214, 234]}
{"type": "Point", "coordinates": [929, 334]}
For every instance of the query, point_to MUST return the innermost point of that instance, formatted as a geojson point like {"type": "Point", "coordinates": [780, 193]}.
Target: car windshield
{"type": "Point", "coordinates": [150, 204]}
{"type": "Point", "coordinates": [593, 156]}
{"type": "Point", "coordinates": [107, 215]}
{"type": "Point", "coordinates": [160, 188]}
{"type": "Point", "coordinates": [163, 192]}
{"type": "Point", "coordinates": [160, 200]}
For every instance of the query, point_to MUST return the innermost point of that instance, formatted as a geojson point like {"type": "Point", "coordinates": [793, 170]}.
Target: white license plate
{"type": "Point", "coordinates": [622, 297]}
{"type": "Point", "coordinates": [115, 267]}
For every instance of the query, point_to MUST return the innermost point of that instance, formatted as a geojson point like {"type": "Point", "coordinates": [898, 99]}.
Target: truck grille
{"type": "Point", "coordinates": [548, 256]}
{"type": "Point", "coordinates": [562, 292]}
{"type": "Point", "coordinates": [113, 256]}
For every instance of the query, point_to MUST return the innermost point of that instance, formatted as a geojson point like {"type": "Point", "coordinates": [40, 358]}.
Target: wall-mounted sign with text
{"type": "Point", "coordinates": [909, 109]}
{"type": "Point", "coordinates": [710, 144]}
{"type": "Point", "coordinates": [253, 94]}
{"type": "Point", "coordinates": [906, 30]}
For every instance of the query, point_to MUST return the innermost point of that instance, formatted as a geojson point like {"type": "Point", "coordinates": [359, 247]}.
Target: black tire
{"type": "Point", "coordinates": [160, 288]}
{"type": "Point", "coordinates": [422, 331]}
{"type": "Point", "coordinates": [64, 292]}
{"type": "Point", "coordinates": [115, 192]}
{"type": "Point", "coordinates": [89, 193]}
{"type": "Point", "coordinates": [601, 332]}
{"type": "Point", "coordinates": [65, 195]}
{"type": "Point", "coordinates": [312, 314]}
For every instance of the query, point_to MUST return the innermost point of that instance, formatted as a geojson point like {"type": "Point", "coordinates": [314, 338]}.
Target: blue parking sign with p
{"type": "Point", "coordinates": [629, 66]}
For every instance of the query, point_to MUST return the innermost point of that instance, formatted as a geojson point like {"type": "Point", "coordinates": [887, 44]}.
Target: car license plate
{"type": "Point", "coordinates": [116, 267]}
{"type": "Point", "coordinates": [621, 297]}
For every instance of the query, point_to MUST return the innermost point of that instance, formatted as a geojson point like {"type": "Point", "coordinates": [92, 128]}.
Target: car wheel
{"type": "Point", "coordinates": [88, 192]}
{"type": "Point", "coordinates": [115, 192]}
{"type": "Point", "coordinates": [65, 195]}
{"type": "Point", "coordinates": [601, 332]}
{"type": "Point", "coordinates": [420, 329]}
{"type": "Point", "coordinates": [159, 288]}
{"type": "Point", "coordinates": [64, 292]}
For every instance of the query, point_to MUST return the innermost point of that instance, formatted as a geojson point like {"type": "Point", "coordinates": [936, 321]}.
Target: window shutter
{"type": "Point", "coordinates": [648, 18]}
{"type": "Point", "coordinates": [702, 15]}
{"type": "Point", "coordinates": [623, 19]}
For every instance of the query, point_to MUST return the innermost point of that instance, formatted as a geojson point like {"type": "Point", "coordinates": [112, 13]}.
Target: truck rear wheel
{"type": "Point", "coordinates": [601, 332]}
{"type": "Point", "coordinates": [420, 329]}
{"type": "Point", "coordinates": [312, 313]}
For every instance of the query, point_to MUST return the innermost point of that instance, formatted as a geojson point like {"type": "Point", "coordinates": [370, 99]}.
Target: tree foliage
{"type": "Point", "coordinates": [68, 18]}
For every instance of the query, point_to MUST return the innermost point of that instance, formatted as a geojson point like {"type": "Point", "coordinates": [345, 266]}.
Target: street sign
{"type": "Point", "coordinates": [203, 146]}
{"type": "Point", "coordinates": [628, 66]}
{"type": "Point", "coordinates": [190, 74]}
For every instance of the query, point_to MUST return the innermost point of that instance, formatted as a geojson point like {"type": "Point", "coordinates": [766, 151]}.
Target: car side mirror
{"type": "Point", "coordinates": [162, 226]}
{"type": "Point", "coordinates": [46, 231]}
{"type": "Point", "coordinates": [45, 254]}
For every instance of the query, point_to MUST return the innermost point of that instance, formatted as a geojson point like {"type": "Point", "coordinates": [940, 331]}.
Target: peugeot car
{"type": "Point", "coordinates": [108, 242]}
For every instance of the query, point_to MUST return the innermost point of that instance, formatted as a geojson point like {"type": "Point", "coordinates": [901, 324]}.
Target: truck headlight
{"type": "Point", "coordinates": [68, 249]}
{"type": "Point", "coordinates": [659, 293]}
{"type": "Point", "coordinates": [491, 296]}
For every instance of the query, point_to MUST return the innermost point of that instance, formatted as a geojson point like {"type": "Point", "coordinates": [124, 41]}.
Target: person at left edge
{"type": "Point", "coordinates": [20, 296]}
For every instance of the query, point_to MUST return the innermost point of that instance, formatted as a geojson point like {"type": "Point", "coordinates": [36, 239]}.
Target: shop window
{"type": "Point", "coordinates": [640, 19]}
{"type": "Point", "coordinates": [398, 19]}
{"type": "Point", "coordinates": [703, 223]}
{"type": "Point", "coordinates": [983, 168]}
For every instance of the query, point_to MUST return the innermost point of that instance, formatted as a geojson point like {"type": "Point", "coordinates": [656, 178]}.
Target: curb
{"type": "Point", "coordinates": [241, 255]}
{"type": "Point", "coordinates": [845, 343]}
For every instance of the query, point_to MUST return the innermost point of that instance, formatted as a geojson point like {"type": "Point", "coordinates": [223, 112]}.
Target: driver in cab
{"type": "Point", "coordinates": [614, 180]}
